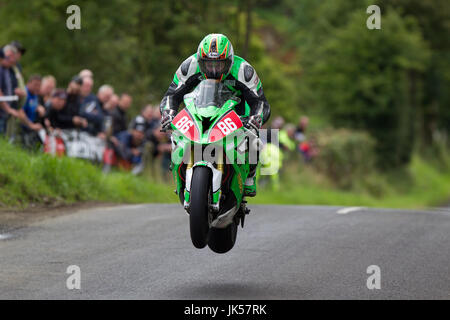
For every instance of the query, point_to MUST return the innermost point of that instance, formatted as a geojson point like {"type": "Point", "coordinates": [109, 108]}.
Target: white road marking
{"type": "Point", "coordinates": [5, 236]}
{"type": "Point", "coordinates": [349, 209]}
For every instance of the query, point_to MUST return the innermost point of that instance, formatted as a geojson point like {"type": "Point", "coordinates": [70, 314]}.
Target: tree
{"type": "Point", "coordinates": [365, 79]}
{"type": "Point", "coordinates": [432, 17]}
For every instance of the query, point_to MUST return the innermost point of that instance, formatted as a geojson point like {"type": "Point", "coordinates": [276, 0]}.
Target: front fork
{"type": "Point", "coordinates": [217, 172]}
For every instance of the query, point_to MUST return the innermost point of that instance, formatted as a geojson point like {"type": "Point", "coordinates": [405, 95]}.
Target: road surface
{"type": "Point", "coordinates": [284, 252]}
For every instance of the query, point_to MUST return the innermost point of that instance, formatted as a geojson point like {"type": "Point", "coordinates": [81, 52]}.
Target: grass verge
{"type": "Point", "coordinates": [44, 180]}
{"type": "Point", "coordinates": [421, 185]}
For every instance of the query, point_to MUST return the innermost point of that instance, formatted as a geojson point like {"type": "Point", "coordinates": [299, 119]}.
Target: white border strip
{"type": "Point", "coordinates": [350, 209]}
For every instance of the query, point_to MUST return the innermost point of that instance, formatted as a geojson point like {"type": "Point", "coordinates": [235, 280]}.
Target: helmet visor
{"type": "Point", "coordinates": [214, 68]}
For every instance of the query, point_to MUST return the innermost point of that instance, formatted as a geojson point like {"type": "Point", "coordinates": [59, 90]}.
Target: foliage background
{"type": "Point", "coordinates": [314, 57]}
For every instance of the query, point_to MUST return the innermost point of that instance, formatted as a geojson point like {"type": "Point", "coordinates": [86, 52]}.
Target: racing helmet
{"type": "Point", "coordinates": [215, 56]}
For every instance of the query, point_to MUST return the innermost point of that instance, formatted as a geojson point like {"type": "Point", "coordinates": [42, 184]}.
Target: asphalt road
{"type": "Point", "coordinates": [284, 252]}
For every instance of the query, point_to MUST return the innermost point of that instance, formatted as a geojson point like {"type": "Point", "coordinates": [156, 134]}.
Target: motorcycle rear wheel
{"type": "Point", "coordinates": [222, 240]}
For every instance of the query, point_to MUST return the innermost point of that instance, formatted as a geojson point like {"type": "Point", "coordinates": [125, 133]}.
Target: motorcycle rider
{"type": "Point", "coordinates": [215, 59]}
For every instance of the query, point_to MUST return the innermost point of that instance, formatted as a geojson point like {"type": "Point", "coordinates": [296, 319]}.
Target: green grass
{"type": "Point", "coordinates": [41, 179]}
{"type": "Point", "coordinates": [44, 180]}
{"type": "Point", "coordinates": [421, 185]}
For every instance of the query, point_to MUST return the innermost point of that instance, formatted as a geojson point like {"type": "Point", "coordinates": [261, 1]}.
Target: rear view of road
{"type": "Point", "coordinates": [283, 252]}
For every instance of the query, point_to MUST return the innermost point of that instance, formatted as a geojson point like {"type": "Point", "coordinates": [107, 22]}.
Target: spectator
{"type": "Point", "coordinates": [94, 111]}
{"type": "Point", "coordinates": [20, 52]}
{"type": "Point", "coordinates": [73, 103]}
{"type": "Point", "coordinates": [286, 137]}
{"type": "Point", "coordinates": [54, 117]}
{"type": "Point", "coordinates": [278, 123]}
{"type": "Point", "coordinates": [156, 116]}
{"type": "Point", "coordinates": [8, 85]}
{"type": "Point", "coordinates": [61, 114]}
{"type": "Point", "coordinates": [108, 109]}
{"type": "Point", "coordinates": [147, 117]}
{"type": "Point", "coordinates": [272, 133]}
{"type": "Point", "coordinates": [86, 90]}
{"type": "Point", "coordinates": [47, 86]}
{"type": "Point", "coordinates": [111, 104]}
{"type": "Point", "coordinates": [290, 131]}
{"type": "Point", "coordinates": [155, 121]}
{"type": "Point", "coordinates": [128, 144]}
{"type": "Point", "coordinates": [161, 147]}
{"type": "Point", "coordinates": [300, 131]}
{"type": "Point", "coordinates": [86, 73]}
{"type": "Point", "coordinates": [304, 146]}
{"type": "Point", "coordinates": [17, 70]}
{"type": "Point", "coordinates": [31, 113]}
{"type": "Point", "coordinates": [119, 114]}
{"type": "Point", "coordinates": [148, 113]}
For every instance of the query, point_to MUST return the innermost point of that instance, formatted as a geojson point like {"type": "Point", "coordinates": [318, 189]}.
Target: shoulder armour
{"type": "Point", "coordinates": [186, 70]}
{"type": "Point", "coordinates": [248, 72]}
{"type": "Point", "coordinates": [247, 75]}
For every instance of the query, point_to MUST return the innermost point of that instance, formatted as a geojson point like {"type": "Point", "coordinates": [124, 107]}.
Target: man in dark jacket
{"type": "Point", "coordinates": [59, 116]}
{"type": "Point", "coordinates": [73, 103]}
{"type": "Point", "coordinates": [119, 114]}
{"type": "Point", "coordinates": [86, 90]}
{"type": "Point", "coordinates": [148, 117]}
{"type": "Point", "coordinates": [8, 85]}
{"type": "Point", "coordinates": [94, 112]}
{"type": "Point", "coordinates": [128, 144]}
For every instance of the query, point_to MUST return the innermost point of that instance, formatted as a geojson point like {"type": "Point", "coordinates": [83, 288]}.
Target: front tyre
{"type": "Point", "coordinates": [198, 213]}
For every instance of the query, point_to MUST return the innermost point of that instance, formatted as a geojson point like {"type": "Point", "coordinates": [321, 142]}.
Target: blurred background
{"type": "Point", "coordinates": [364, 114]}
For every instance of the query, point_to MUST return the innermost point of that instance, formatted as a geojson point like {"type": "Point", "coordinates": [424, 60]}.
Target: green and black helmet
{"type": "Point", "coordinates": [215, 56]}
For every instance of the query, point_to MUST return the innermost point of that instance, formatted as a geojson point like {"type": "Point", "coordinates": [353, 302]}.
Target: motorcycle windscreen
{"type": "Point", "coordinates": [186, 125]}
{"type": "Point", "coordinates": [229, 123]}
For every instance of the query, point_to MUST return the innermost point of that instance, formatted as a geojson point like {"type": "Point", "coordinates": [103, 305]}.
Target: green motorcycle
{"type": "Point", "coordinates": [210, 162]}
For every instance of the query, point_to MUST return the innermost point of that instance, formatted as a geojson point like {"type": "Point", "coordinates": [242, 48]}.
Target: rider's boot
{"type": "Point", "coordinates": [250, 182]}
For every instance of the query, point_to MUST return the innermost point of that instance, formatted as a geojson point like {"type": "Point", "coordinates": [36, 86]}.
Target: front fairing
{"type": "Point", "coordinates": [204, 110]}
{"type": "Point", "coordinates": [205, 119]}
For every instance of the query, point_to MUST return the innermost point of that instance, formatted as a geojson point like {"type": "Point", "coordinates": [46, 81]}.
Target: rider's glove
{"type": "Point", "coordinates": [254, 122]}
{"type": "Point", "coordinates": [166, 118]}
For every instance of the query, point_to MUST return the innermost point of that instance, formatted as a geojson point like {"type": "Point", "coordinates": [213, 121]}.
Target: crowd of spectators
{"type": "Point", "coordinates": [292, 138]}
{"type": "Point", "coordinates": [41, 105]}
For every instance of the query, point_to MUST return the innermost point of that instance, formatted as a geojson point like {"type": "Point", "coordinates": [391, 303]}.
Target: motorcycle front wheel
{"type": "Point", "coordinates": [198, 213]}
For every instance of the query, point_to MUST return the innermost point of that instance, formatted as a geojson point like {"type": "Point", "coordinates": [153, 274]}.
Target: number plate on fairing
{"type": "Point", "coordinates": [186, 125]}
{"type": "Point", "coordinates": [229, 123]}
